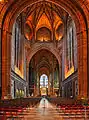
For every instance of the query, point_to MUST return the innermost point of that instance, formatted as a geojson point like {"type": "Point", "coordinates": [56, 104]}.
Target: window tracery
{"type": "Point", "coordinates": [17, 45]}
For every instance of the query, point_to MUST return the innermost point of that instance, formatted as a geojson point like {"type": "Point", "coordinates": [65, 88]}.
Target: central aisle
{"type": "Point", "coordinates": [44, 111]}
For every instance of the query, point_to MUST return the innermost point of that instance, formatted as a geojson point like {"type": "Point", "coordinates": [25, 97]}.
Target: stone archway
{"type": "Point", "coordinates": [50, 48]}
{"type": "Point", "coordinates": [45, 63]}
{"type": "Point", "coordinates": [81, 23]}
{"type": "Point", "coordinates": [37, 47]}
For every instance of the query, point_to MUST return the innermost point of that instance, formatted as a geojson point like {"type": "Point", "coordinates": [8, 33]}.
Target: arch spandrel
{"type": "Point", "coordinates": [48, 47]}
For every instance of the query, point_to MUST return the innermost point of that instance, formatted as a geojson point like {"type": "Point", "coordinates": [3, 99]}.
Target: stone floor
{"type": "Point", "coordinates": [43, 111]}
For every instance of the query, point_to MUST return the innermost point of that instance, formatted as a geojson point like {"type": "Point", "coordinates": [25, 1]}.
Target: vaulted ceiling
{"type": "Point", "coordinates": [44, 15]}
{"type": "Point", "coordinates": [44, 62]}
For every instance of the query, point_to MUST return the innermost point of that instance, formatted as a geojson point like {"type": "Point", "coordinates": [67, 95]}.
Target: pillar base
{"type": "Point", "coordinates": [6, 97]}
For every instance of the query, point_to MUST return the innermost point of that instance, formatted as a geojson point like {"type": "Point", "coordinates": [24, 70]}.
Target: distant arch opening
{"type": "Point", "coordinates": [44, 84]}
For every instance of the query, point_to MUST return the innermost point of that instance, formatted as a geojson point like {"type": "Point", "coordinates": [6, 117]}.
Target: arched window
{"type": "Point", "coordinates": [17, 45]}
{"type": "Point", "coordinates": [43, 34]}
{"type": "Point", "coordinates": [70, 45]}
{"type": "Point", "coordinates": [71, 53]}
{"type": "Point", "coordinates": [44, 81]}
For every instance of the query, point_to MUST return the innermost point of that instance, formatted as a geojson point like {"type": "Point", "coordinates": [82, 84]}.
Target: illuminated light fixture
{"type": "Point", "coordinates": [69, 72]}
{"type": "Point", "coordinates": [17, 71]}
{"type": "Point", "coordinates": [3, 1]}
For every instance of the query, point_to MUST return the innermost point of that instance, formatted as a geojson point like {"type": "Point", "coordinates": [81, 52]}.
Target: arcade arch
{"type": "Point", "coordinates": [44, 63]}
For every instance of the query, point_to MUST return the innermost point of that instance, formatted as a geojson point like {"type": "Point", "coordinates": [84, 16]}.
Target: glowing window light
{"type": "Point", "coordinates": [69, 72]}
{"type": "Point", "coordinates": [17, 71]}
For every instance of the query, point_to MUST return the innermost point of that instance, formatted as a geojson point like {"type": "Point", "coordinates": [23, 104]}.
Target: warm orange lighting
{"type": "Point", "coordinates": [43, 22]}
{"type": "Point", "coordinates": [60, 37]}
{"type": "Point", "coordinates": [17, 71]}
{"type": "Point", "coordinates": [57, 21]}
{"type": "Point", "coordinates": [43, 90]}
{"type": "Point", "coordinates": [69, 72]}
{"type": "Point", "coordinates": [3, 1]}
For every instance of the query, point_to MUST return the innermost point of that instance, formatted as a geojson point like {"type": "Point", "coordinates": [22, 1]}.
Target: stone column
{"type": "Point", "coordinates": [24, 91]}
{"type": "Point", "coordinates": [64, 51]}
{"type": "Point", "coordinates": [49, 85]}
{"type": "Point", "coordinates": [88, 62]}
{"type": "Point", "coordinates": [59, 78]}
{"type": "Point", "coordinates": [82, 64]}
{"type": "Point", "coordinates": [63, 64]}
{"type": "Point", "coordinates": [38, 85]}
{"type": "Point", "coordinates": [0, 61]}
{"type": "Point", "coordinates": [22, 55]}
{"type": "Point", "coordinates": [37, 91]}
{"type": "Point", "coordinates": [6, 65]}
{"type": "Point", "coordinates": [27, 77]}
{"type": "Point", "coordinates": [53, 83]}
{"type": "Point", "coordinates": [35, 83]}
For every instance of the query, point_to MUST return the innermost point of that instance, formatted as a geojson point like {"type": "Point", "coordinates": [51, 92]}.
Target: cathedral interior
{"type": "Point", "coordinates": [44, 58]}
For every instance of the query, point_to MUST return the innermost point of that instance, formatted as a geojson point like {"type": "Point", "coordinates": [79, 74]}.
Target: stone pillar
{"type": "Point", "coordinates": [59, 78]}
{"type": "Point", "coordinates": [22, 55]}
{"type": "Point", "coordinates": [38, 85]}
{"type": "Point", "coordinates": [53, 83]}
{"type": "Point", "coordinates": [88, 62]}
{"type": "Point", "coordinates": [6, 65]}
{"type": "Point", "coordinates": [49, 85]}
{"type": "Point", "coordinates": [27, 78]}
{"type": "Point", "coordinates": [82, 64]}
{"type": "Point", "coordinates": [0, 57]}
{"type": "Point", "coordinates": [35, 83]}
{"type": "Point", "coordinates": [63, 91]}
{"type": "Point", "coordinates": [64, 51]}
{"type": "Point", "coordinates": [24, 91]}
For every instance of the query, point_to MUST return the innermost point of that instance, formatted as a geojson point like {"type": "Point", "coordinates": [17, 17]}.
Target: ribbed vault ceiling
{"type": "Point", "coordinates": [44, 14]}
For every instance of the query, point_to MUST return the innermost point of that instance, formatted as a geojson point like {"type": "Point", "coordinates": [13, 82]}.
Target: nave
{"type": "Point", "coordinates": [44, 110]}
